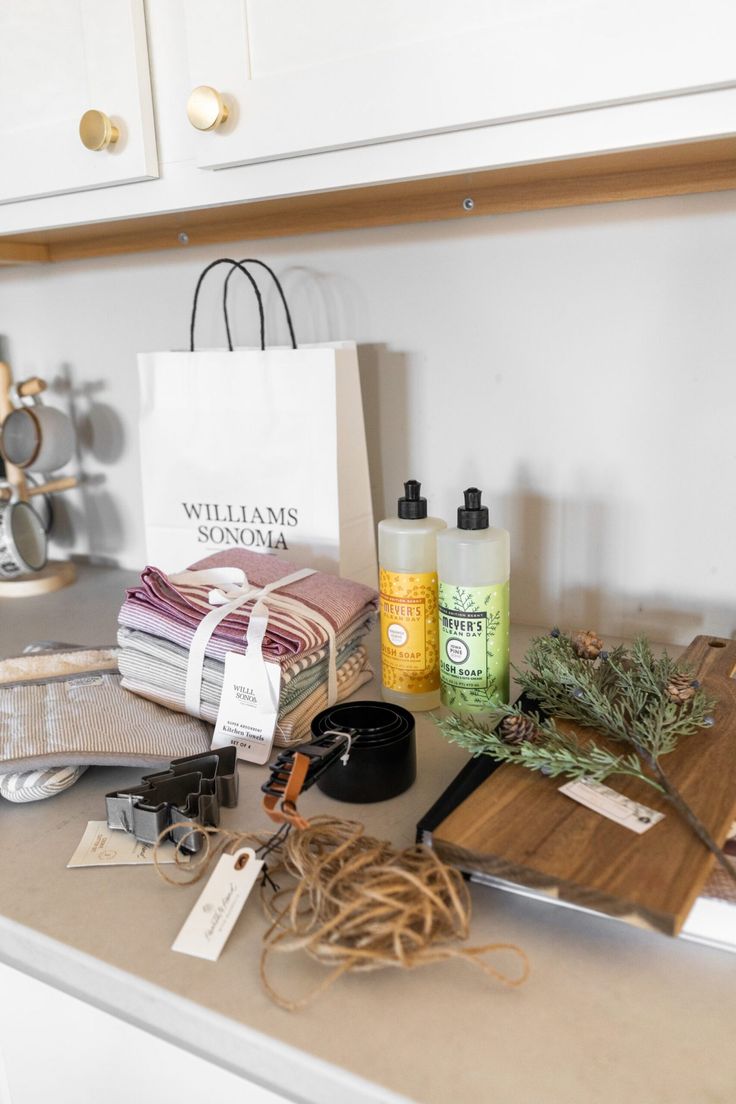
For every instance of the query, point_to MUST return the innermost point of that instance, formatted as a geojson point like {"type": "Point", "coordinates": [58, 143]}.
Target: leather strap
{"type": "Point", "coordinates": [280, 805]}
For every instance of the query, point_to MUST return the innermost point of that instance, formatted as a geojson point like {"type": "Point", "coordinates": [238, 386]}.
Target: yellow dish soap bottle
{"type": "Point", "coordinates": [473, 566]}
{"type": "Point", "coordinates": [407, 555]}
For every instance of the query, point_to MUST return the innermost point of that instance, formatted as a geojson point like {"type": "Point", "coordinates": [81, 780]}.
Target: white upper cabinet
{"type": "Point", "coordinates": [60, 59]}
{"type": "Point", "coordinates": [305, 76]}
{"type": "Point", "coordinates": [306, 96]}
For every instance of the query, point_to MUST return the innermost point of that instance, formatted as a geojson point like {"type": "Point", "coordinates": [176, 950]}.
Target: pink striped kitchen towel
{"type": "Point", "coordinates": [174, 610]}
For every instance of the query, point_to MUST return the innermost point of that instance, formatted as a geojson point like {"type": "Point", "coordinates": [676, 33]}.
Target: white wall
{"type": "Point", "coordinates": [577, 365]}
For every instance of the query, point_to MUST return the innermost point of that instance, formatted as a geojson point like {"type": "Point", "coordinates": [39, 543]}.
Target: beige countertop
{"type": "Point", "coordinates": [610, 1013]}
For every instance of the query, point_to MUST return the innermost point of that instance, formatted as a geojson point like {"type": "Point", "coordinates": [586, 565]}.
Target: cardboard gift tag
{"type": "Point", "coordinates": [249, 704]}
{"type": "Point", "coordinates": [617, 807]}
{"type": "Point", "coordinates": [100, 846]}
{"type": "Point", "coordinates": [207, 928]}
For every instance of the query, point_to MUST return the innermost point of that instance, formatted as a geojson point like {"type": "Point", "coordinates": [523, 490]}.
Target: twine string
{"type": "Point", "coordinates": [356, 904]}
{"type": "Point", "coordinates": [217, 841]}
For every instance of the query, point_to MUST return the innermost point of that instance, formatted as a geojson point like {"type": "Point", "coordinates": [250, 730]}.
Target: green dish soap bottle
{"type": "Point", "coordinates": [473, 564]}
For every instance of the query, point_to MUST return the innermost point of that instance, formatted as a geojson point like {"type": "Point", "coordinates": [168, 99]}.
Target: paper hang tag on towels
{"type": "Point", "coordinates": [248, 708]}
{"type": "Point", "coordinates": [207, 927]}
{"type": "Point", "coordinates": [251, 690]}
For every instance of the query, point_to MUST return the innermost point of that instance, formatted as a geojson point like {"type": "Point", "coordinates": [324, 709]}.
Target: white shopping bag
{"type": "Point", "coordinates": [259, 449]}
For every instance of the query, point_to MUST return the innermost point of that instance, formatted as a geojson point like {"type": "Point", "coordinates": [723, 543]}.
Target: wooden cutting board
{"type": "Point", "coordinates": [518, 827]}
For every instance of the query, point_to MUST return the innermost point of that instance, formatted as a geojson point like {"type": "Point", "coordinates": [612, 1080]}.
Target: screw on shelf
{"type": "Point", "coordinates": [183, 238]}
{"type": "Point", "coordinates": [468, 203]}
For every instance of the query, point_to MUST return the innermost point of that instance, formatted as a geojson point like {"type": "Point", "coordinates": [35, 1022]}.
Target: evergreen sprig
{"type": "Point", "coordinates": [623, 694]}
{"type": "Point", "coordinates": [557, 754]}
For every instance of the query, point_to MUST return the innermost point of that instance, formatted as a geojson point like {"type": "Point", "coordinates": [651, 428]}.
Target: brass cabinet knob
{"type": "Point", "coordinates": [206, 109]}
{"type": "Point", "coordinates": [97, 130]}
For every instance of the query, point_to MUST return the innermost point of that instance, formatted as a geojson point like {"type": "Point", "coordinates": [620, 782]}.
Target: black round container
{"type": "Point", "coordinates": [383, 757]}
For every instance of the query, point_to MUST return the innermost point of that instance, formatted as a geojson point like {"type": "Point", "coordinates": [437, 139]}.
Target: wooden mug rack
{"type": "Point", "coordinates": [56, 573]}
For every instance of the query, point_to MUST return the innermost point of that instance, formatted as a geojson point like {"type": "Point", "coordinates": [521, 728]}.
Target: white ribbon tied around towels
{"type": "Point", "coordinates": [231, 590]}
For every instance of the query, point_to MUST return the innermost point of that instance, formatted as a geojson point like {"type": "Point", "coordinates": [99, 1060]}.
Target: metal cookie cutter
{"type": "Point", "coordinates": [190, 791]}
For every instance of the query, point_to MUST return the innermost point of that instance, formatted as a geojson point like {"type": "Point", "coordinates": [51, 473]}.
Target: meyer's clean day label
{"type": "Point", "coordinates": [474, 645]}
{"type": "Point", "coordinates": [409, 631]}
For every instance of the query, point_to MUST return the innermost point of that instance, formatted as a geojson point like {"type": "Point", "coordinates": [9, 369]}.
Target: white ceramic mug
{"type": "Point", "coordinates": [38, 437]}
{"type": "Point", "coordinates": [22, 540]}
{"type": "Point", "coordinates": [41, 503]}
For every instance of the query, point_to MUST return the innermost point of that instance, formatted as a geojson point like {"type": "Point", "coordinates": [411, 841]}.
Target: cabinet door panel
{"type": "Point", "coordinates": [57, 60]}
{"type": "Point", "coordinates": [59, 1049]}
{"type": "Point", "coordinates": [326, 75]}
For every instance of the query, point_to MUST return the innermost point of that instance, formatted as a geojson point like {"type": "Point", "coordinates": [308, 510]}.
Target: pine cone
{"type": "Point", "coordinates": [681, 688]}
{"type": "Point", "coordinates": [587, 645]}
{"type": "Point", "coordinates": [517, 730]}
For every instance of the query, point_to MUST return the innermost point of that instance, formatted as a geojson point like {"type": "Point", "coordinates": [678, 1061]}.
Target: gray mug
{"type": "Point", "coordinates": [22, 540]}
{"type": "Point", "coordinates": [38, 437]}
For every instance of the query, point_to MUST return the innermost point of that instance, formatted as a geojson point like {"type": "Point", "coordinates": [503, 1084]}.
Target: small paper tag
{"type": "Point", "coordinates": [205, 931]}
{"type": "Point", "coordinates": [102, 846]}
{"type": "Point", "coordinates": [615, 806]}
{"type": "Point", "coordinates": [248, 706]}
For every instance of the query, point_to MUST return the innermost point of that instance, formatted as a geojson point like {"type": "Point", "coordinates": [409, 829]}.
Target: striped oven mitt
{"type": "Point", "coordinates": [36, 784]}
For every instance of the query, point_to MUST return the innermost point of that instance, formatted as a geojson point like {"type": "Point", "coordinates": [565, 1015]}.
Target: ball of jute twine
{"type": "Point", "coordinates": [356, 904]}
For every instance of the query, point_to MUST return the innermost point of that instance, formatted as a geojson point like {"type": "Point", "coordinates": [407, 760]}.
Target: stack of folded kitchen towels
{"type": "Point", "coordinates": [159, 618]}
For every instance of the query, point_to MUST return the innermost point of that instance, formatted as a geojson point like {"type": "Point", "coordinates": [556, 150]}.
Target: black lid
{"type": "Point", "coordinates": [412, 506]}
{"type": "Point", "coordinates": [472, 515]}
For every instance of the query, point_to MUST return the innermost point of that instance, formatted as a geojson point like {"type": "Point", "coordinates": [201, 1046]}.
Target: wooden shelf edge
{"type": "Point", "coordinates": [689, 168]}
{"type": "Point", "coordinates": [21, 252]}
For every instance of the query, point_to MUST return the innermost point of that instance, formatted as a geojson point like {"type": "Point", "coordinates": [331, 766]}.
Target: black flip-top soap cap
{"type": "Point", "coordinates": [412, 505]}
{"type": "Point", "coordinates": [472, 515]}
